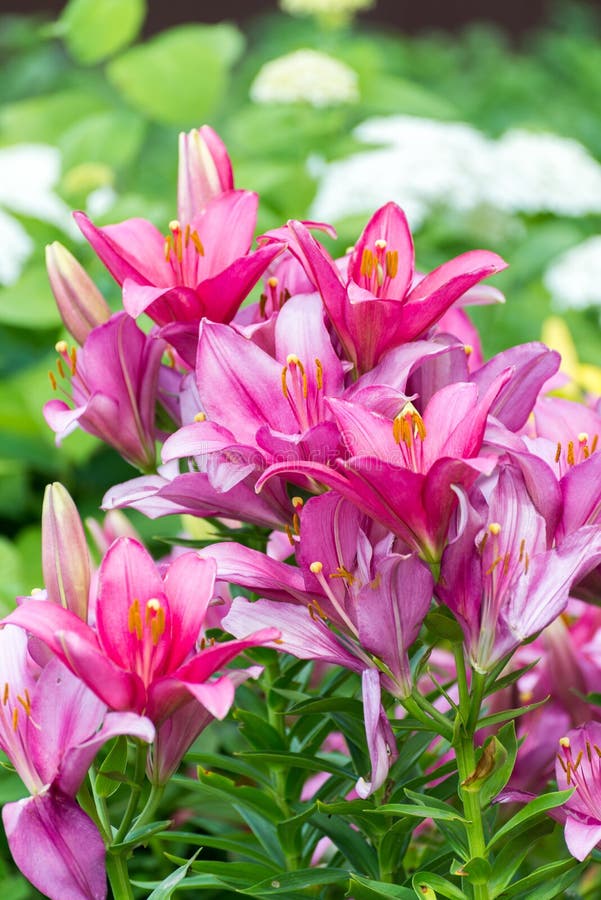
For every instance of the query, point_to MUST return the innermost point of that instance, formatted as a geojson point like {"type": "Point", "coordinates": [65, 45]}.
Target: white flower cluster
{"type": "Point", "coordinates": [28, 172]}
{"type": "Point", "coordinates": [305, 76]}
{"type": "Point", "coordinates": [422, 163]}
{"type": "Point", "coordinates": [330, 8]}
{"type": "Point", "coordinates": [574, 279]}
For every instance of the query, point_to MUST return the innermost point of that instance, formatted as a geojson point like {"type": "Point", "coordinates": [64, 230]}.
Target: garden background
{"type": "Point", "coordinates": [488, 135]}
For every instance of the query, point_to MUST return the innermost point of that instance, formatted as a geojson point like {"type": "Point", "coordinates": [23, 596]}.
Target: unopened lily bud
{"type": "Point", "coordinates": [65, 557]}
{"type": "Point", "coordinates": [205, 171]}
{"type": "Point", "coordinates": [80, 304]}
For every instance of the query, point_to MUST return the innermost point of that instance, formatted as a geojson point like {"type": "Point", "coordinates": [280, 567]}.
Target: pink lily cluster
{"type": "Point", "coordinates": [346, 406]}
{"type": "Point", "coordinates": [127, 656]}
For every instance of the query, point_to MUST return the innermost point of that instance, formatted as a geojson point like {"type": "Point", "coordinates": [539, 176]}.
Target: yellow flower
{"type": "Point", "coordinates": [584, 378]}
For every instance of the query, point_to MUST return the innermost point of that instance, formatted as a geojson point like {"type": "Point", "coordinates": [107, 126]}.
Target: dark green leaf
{"type": "Point", "coordinates": [165, 889]}
{"type": "Point", "coordinates": [535, 807]}
{"type": "Point", "coordinates": [365, 889]}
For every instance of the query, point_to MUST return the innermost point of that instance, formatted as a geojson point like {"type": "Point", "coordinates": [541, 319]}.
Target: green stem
{"type": "Point", "coordinates": [425, 712]}
{"type": "Point", "coordinates": [272, 671]}
{"type": "Point", "coordinates": [116, 869]}
{"type": "Point", "coordinates": [470, 702]}
{"type": "Point", "coordinates": [134, 796]}
{"type": "Point", "coordinates": [154, 798]}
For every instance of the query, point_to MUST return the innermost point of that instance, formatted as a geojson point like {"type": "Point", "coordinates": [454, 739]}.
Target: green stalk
{"type": "Point", "coordinates": [116, 869]}
{"type": "Point", "coordinates": [272, 671]}
{"type": "Point", "coordinates": [135, 790]}
{"type": "Point", "coordinates": [470, 702]}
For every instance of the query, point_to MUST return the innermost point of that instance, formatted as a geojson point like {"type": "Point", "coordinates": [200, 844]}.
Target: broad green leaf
{"type": "Point", "coordinates": [436, 883]}
{"type": "Point", "coordinates": [365, 889]}
{"type": "Point", "coordinates": [165, 889]}
{"type": "Point", "coordinates": [535, 807]}
{"type": "Point", "coordinates": [506, 748]}
{"type": "Point", "coordinates": [179, 77]}
{"type": "Point", "coordinates": [96, 29]}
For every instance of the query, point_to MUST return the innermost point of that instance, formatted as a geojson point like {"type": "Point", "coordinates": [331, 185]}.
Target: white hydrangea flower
{"type": "Point", "coordinates": [425, 163]}
{"type": "Point", "coordinates": [574, 279]}
{"type": "Point", "coordinates": [540, 172]}
{"type": "Point", "coordinates": [329, 8]}
{"type": "Point", "coordinates": [28, 172]}
{"type": "Point", "coordinates": [305, 76]}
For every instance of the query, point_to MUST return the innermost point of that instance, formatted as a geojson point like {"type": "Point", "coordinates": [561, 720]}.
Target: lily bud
{"type": "Point", "coordinates": [80, 304]}
{"type": "Point", "coordinates": [205, 171]}
{"type": "Point", "coordinates": [65, 557]}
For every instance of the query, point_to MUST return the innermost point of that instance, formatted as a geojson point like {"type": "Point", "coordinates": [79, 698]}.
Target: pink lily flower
{"type": "Point", "coordinates": [501, 576]}
{"type": "Point", "coordinates": [203, 267]}
{"type": "Point", "coordinates": [380, 304]}
{"type": "Point", "coordinates": [578, 766]}
{"type": "Point", "coordinates": [306, 636]}
{"type": "Point", "coordinates": [401, 472]}
{"type": "Point", "coordinates": [51, 728]}
{"type": "Point", "coordinates": [114, 387]}
{"type": "Point", "coordinates": [143, 654]}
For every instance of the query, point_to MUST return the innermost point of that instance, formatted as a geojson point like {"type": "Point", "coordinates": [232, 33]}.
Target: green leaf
{"type": "Point", "coordinates": [421, 812]}
{"type": "Point", "coordinates": [422, 881]}
{"type": "Point", "coordinates": [263, 830]}
{"type": "Point", "coordinates": [505, 752]}
{"type": "Point", "coordinates": [181, 76]}
{"type": "Point", "coordinates": [443, 626]}
{"type": "Point", "coordinates": [240, 843]}
{"type": "Point", "coordinates": [29, 303]}
{"type": "Point", "coordinates": [114, 764]}
{"type": "Point", "coordinates": [166, 888]}
{"type": "Point", "coordinates": [138, 836]}
{"type": "Point", "coordinates": [259, 732]}
{"type": "Point", "coordinates": [285, 882]}
{"type": "Point", "coordinates": [298, 760]}
{"type": "Point", "coordinates": [45, 118]}
{"type": "Point", "coordinates": [96, 29]}
{"type": "Point", "coordinates": [535, 807]}
{"type": "Point", "coordinates": [514, 852]}
{"type": "Point", "coordinates": [365, 889]}
{"type": "Point", "coordinates": [555, 878]}
{"type": "Point", "coordinates": [508, 714]}
{"type": "Point", "coordinates": [351, 843]}
{"type": "Point", "coordinates": [109, 138]}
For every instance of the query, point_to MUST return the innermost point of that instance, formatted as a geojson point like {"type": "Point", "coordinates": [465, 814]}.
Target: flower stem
{"type": "Point", "coordinates": [470, 702]}
{"type": "Point", "coordinates": [116, 869]}
{"type": "Point", "coordinates": [135, 789]}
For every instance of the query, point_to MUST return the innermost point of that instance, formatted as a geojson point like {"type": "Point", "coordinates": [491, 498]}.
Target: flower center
{"type": "Point", "coordinates": [146, 624]}
{"type": "Point", "coordinates": [303, 393]}
{"type": "Point", "coordinates": [409, 432]}
{"type": "Point", "coordinates": [576, 451]}
{"type": "Point", "coordinates": [378, 267]}
{"type": "Point", "coordinates": [183, 249]}
{"type": "Point", "coordinates": [583, 773]}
